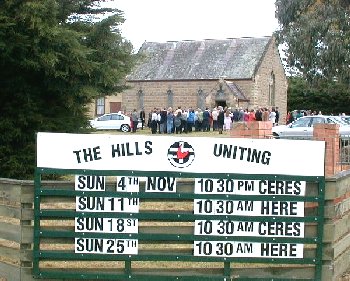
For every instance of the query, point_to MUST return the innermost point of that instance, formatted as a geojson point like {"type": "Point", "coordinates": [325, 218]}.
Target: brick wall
{"type": "Point", "coordinates": [259, 129]}
{"type": "Point", "coordinates": [185, 94]}
{"type": "Point", "coordinates": [330, 134]}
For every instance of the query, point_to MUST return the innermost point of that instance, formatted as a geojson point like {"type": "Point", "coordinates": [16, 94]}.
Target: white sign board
{"type": "Point", "coordinates": [106, 225]}
{"type": "Point", "coordinates": [247, 249]}
{"type": "Point", "coordinates": [179, 154]}
{"type": "Point", "coordinates": [249, 187]}
{"type": "Point", "coordinates": [106, 204]}
{"type": "Point", "coordinates": [249, 228]}
{"type": "Point", "coordinates": [189, 155]}
{"type": "Point", "coordinates": [248, 208]}
{"type": "Point", "coordinates": [106, 246]}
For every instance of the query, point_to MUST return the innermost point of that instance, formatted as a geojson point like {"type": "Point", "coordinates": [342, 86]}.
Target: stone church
{"type": "Point", "coordinates": [237, 72]}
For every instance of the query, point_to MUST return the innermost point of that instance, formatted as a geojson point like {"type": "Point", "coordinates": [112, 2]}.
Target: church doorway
{"type": "Point", "coordinates": [220, 103]}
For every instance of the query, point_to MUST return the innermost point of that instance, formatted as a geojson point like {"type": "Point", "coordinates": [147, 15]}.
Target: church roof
{"type": "Point", "coordinates": [236, 90]}
{"type": "Point", "coordinates": [236, 58]}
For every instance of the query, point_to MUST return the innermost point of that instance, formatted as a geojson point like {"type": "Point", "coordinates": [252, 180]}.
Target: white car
{"type": "Point", "coordinates": [302, 128]}
{"type": "Point", "coordinates": [112, 121]}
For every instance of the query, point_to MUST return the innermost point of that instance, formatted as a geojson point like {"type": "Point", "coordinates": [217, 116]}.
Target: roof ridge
{"type": "Point", "coordinates": [213, 39]}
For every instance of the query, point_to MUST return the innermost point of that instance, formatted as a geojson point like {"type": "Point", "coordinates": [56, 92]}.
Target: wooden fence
{"type": "Point", "coordinates": [17, 239]}
{"type": "Point", "coordinates": [16, 229]}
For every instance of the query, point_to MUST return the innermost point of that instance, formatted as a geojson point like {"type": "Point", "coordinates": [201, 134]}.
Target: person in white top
{"type": "Point", "coordinates": [214, 115]}
{"type": "Point", "coordinates": [272, 116]}
{"type": "Point", "coordinates": [228, 120]}
{"type": "Point", "coordinates": [178, 110]}
{"type": "Point", "coordinates": [154, 121]}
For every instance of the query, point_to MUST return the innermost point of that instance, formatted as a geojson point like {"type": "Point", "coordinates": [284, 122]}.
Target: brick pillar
{"type": "Point", "coordinates": [330, 134]}
{"type": "Point", "coordinates": [253, 129]}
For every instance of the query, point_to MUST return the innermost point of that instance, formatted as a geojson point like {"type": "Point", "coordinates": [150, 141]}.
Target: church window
{"type": "Point", "coordinates": [201, 99]}
{"type": "Point", "coordinates": [170, 96]}
{"type": "Point", "coordinates": [100, 106]}
{"type": "Point", "coordinates": [272, 89]}
{"type": "Point", "coordinates": [141, 95]}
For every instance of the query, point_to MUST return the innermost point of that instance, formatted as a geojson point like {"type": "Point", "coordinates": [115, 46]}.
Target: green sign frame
{"type": "Point", "coordinates": [45, 191]}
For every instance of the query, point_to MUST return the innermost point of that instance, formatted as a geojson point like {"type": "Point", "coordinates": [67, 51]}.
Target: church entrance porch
{"type": "Point", "coordinates": [220, 103]}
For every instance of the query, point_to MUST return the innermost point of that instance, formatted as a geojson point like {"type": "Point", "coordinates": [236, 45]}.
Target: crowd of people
{"type": "Point", "coordinates": [296, 114]}
{"type": "Point", "coordinates": [186, 120]}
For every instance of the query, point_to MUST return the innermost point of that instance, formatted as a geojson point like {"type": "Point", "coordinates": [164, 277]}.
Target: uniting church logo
{"type": "Point", "coordinates": [181, 154]}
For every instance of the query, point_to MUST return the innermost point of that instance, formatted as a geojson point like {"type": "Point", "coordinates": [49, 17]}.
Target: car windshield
{"type": "Point", "coordinates": [117, 117]}
{"type": "Point", "coordinates": [301, 122]}
{"type": "Point", "coordinates": [319, 120]}
{"type": "Point", "coordinates": [337, 120]}
{"type": "Point", "coordinates": [104, 118]}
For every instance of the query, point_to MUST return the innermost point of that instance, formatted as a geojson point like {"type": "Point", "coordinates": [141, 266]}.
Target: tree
{"type": "Point", "coordinates": [56, 57]}
{"type": "Point", "coordinates": [317, 36]}
{"type": "Point", "coordinates": [328, 97]}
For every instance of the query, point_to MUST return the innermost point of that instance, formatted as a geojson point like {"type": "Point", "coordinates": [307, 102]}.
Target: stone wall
{"type": "Point", "coordinates": [272, 64]}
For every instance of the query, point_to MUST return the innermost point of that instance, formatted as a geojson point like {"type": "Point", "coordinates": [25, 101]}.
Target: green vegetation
{"type": "Point", "coordinates": [328, 97]}
{"type": "Point", "coordinates": [55, 58]}
{"type": "Point", "coordinates": [316, 34]}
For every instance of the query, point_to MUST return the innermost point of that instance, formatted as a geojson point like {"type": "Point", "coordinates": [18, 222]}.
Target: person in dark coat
{"type": "Point", "coordinates": [142, 117]}
{"type": "Point", "coordinates": [221, 119]}
{"type": "Point", "coordinates": [178, 122]}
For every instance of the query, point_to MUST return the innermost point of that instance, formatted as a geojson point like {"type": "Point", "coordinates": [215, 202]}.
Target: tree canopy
{"type": "Point", "coordinates": [56, 57]}
{"type": "Point", "coordinates": [316, 34]}
{"type": "Point", "coordinates": [327, 97]}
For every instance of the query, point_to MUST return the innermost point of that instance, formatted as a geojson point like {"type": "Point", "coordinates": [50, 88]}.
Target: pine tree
{"type": "Point", "coordinates": [56, 57]}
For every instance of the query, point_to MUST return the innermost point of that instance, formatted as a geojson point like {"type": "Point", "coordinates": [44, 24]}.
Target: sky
{"type": "Point", "coordinates": [177, 20]}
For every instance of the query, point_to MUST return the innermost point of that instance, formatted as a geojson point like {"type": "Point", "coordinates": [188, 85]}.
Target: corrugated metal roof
{"type": "Point", "coordinates": [194, 60]}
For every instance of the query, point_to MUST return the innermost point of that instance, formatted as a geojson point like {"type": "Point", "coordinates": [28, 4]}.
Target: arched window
{"type": "Point", "coordinates": [272, 89]}
{"type": "Point", "coordinates": [201, 99]}
{"type": "Point", "coordinates": [140, 95]}
{"type": "Point", "coordinates": [100, 106]}
{"type": "Point", "coordinates": [220, 94]}
{"type": "Point", "coordinates": [170, 96]}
